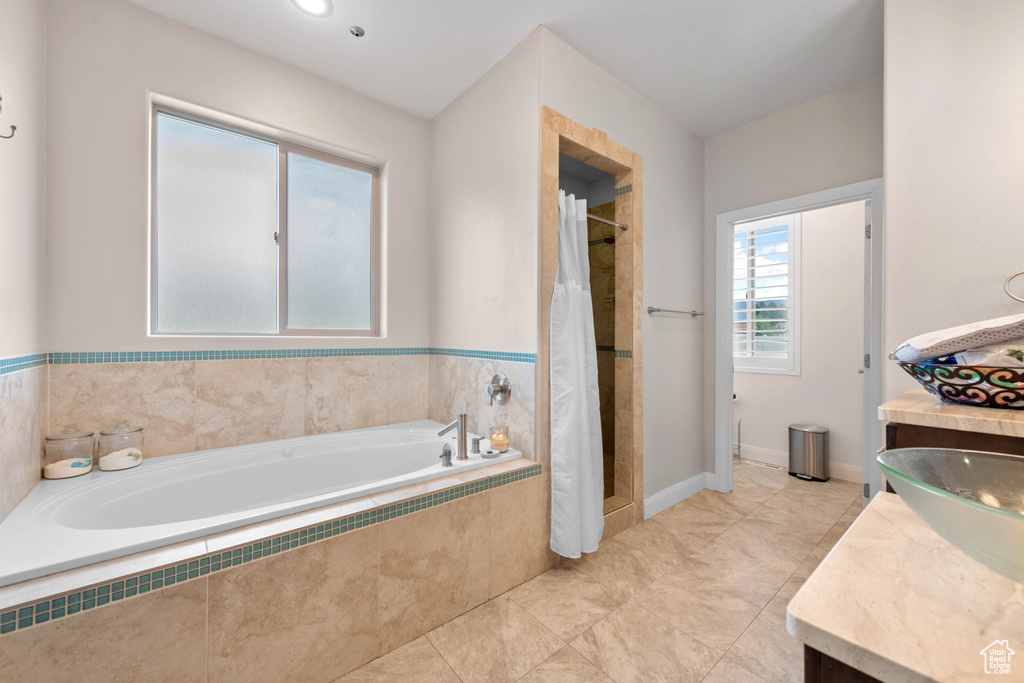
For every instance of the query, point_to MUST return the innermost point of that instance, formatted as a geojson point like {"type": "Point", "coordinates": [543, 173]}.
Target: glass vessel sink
{"type": "Point", "coordinates": [974, 500]}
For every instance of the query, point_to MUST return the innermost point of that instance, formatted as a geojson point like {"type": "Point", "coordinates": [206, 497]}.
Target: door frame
{"type": "Point", "coordinates": [874, 302]}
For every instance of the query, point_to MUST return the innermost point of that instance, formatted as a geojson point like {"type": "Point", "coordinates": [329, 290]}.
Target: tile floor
{"type": "Point", "coordinates": [696, 593]}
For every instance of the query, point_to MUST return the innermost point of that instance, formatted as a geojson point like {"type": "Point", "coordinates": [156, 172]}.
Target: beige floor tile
{"type": "Point", "coordinates": [566, 601]}
{"type": "Point", "coordinates": [566, 666]}
{"type": "Point", "coordinates": [746, 473]}
{"type": "Point", "coordinates": [620, 567]}
{"type": "Point", "coordinates": [263, 628]}
{"type": "Point", "coordinates": [496, 642]}
{"type": "Point", "coordinates": [664, 542]}
{"type": "Point", "coordinates": [766, 647]}
{"type": "Point", "coordinates": [766, 542]}
{"type": "Point", "coordinates": [706, 514]}
{"type": "Point", "coordinates": [726, 568]}
{"type": "Point", "coordinates": [414, 662]}
{"type": "Point", "coordinates": [631, 644]}
{"type": "Point", "coordinates": [713, 616]}
{"type": "Point", "coordinates": [727, 671]}
{"type": "Point", "coordinates": [778, 604]}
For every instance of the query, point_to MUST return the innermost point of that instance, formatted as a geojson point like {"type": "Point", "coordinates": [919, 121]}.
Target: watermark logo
{"type": "Point", "coordinates": [997, 657]}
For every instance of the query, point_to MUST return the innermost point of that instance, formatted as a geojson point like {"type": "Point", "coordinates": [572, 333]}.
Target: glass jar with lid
{"type": "Point", "coordinates": [120, 446]}
{"type": "Point", "coordinates": [68, 453]}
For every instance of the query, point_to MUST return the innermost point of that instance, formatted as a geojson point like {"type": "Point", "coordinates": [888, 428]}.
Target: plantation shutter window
{"type": "Point", "coordinates": [766, 296]}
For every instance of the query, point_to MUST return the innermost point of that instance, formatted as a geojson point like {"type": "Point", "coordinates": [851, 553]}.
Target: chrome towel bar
{"type": "Point", "coordinates": [651, 310]}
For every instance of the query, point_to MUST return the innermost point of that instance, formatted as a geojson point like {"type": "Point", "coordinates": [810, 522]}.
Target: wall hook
{"type": "Point", "coordinates": [13, 128]}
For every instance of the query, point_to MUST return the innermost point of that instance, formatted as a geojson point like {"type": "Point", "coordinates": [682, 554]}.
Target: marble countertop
{"type": "Point", "coordinates": [918, 407]}
{"type": "Point", "coordinates": [896, 601]}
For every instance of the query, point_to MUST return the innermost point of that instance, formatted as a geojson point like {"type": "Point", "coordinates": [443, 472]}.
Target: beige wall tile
{"type": "Point", "coordinates": [346, 392]}
{"type": "Point", "coordinates": [623, 436]}
{"type": "Point", "coordinates": [520, 529]}
{"type": "Point", "coordinates": [159, 397]}
{"type": "Point", "coordinates": [623, 384]}
{"type": "Point", "coordinates": [240, 402]}
{"type": "Point", "coordinates": [308, 614]}
{"type": "Point", "coordinates": [159, 637]}
{"type": "Point", "coordinates": [459, 385]}
{"type": "Point", "coordinates": [407, 390]}
{"type": "Point", "coordinates": [617, 521]}
{"type": "Point", "coordinates": [434, 565]}
{"type": "Point", "coordinates": [22, 424]}
{"type": "Point", "coordinates": [624, 480]}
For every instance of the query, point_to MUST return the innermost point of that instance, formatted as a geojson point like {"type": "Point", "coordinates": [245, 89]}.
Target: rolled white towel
{"type": "Point", "coordinates": [960, 338]}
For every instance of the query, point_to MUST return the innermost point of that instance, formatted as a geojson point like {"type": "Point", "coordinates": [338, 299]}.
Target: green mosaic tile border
{"type": "Point", "coordinates": [623, 190]}
{"type": "Point", "coordinates": [623, 354]}
{"type": "Point", "coordinates": [84, 600]}
{"type": "Point", "coordinates": [252, 354]}
{"type": "Point", "coordinates": [91, 357]}
{"type": "Point", "coordinates": [9, 365]}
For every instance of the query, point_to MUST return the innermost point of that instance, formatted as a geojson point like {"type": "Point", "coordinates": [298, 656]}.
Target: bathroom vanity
{"type": "Point", "coordinates": [894, 601]}
{"type": "Point", "coordinates": [917, 418]}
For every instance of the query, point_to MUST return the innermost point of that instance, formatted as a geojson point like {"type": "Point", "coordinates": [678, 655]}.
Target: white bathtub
{"type": "Point", "coordinates": [68, 523]}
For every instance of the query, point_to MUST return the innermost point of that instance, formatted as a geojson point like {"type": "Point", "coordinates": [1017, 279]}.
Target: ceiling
{"type": "Point", "coordinates": [712, 64]}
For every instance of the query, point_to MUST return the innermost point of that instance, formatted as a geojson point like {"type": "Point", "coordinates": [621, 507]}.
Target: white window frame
{"type": "Point", "coordinates": [790, 365]}
{"type": "Point", "coordinates": [285, 146]}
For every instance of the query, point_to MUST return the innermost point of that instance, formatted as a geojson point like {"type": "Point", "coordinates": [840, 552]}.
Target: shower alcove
{"type": "Point", "coordinates": [617, 288]}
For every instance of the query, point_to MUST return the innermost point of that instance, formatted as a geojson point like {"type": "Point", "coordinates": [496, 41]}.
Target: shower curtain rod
{"type": "Point", "coordinates": [604, 220]}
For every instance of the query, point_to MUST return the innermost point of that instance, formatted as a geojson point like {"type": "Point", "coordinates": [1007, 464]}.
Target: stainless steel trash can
{"type": "Point", "coordinates": [808, 452]}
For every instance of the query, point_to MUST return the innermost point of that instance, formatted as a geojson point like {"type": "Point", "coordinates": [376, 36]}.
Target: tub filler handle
{"type": "Point", "coordinates": [446, 456]}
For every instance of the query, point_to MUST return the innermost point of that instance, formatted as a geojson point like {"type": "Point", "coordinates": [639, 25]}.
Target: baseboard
{"type": "Point", "coordinates": [663, 500]}
{"type": "Point", "coordinates": [846, 472]}
{"type": "Point", "coordinates": [779, 458]}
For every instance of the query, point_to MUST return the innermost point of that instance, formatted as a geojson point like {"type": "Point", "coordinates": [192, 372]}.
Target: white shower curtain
{"type": "Point", "coordinates": [577, 474]}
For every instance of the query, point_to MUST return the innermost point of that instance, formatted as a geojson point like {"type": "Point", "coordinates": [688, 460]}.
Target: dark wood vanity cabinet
{"type": "Point", "coordinates": [900, 435]}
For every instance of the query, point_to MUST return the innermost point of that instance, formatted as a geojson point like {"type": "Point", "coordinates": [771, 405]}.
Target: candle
{"type": "Point", "coordinates": [499, 439]}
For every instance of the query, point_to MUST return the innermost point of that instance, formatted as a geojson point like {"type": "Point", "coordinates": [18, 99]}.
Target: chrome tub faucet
{"type": "Point", "coordinates": [459, 422]}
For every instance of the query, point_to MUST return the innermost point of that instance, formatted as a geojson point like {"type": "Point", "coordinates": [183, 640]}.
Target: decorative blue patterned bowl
{"type": "Point", "coordinates": [973, 385]}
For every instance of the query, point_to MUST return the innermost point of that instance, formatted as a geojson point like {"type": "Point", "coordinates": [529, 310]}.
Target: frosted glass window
{"type": "Point", "coordinates": [216, 215]}
{"type": "Point", "coordinates": [254, 235]}
{"type": "Point", "coordinates": [330, 214]}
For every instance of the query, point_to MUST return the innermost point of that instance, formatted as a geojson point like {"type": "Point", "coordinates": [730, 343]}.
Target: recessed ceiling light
{"type": "Point", "coordinates": [357, 31]}
{"type": "Point", "coordinates": [317, 8]}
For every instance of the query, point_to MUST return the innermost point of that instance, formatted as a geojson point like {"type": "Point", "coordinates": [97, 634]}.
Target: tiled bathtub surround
{"type": "Point", "coordinates": [22, 425]}
{"type": "Point", "coordinates": [459, 385]}
{"type": "Point", "coordinates": [200, 404]}
{"type": "Point", "coordinates": [278, 608]}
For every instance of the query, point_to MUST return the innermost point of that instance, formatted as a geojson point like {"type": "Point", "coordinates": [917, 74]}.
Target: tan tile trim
{"type": "Point", "coordinates": [561, 135]}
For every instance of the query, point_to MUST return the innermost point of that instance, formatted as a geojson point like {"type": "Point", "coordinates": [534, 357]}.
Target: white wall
{"type": "Point", "coordinates": [484, 206]}
{"type": "Point", "coordinates": [105, 57]}
{"type": "Point", "coordinates": [829, 142]}
{"type": "Point", "coordinates": [829, 390]}
{"type": "Point", "coordinates": [22, 178]}
{"type": "Point", "coordinates": [954, 165]}
{"type": "Point", "coordinates": [673, 243]}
